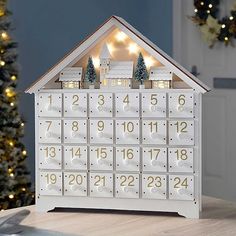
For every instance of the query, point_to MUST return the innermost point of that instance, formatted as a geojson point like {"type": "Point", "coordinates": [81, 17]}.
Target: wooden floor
{"type": "Point", "coordinates": [218, 219]}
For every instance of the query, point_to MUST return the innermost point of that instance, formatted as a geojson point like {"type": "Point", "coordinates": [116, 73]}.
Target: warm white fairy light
{"type": "Point", "coordinates": [208, 11]}
{"type": "Point", "coordinates": [22, 124]}
{"type": "Point", "coordinates": [13, 77]}
{"type": "Point", "coordinates": [226, 38]}
{"type": "Point", "coordinates": [4, 35]}
{"type": "Point", "coordinates": [12, 104]}
{"type": "Point", "coordinates": [11, 175]}
{"type": "Point", "coordinates": [231, 17]}
{"type": "Point", "coordinates": [210, 6]}
{"type": "Point", "coordinates": [96, 62]}
{"type": "Point", "coordinates": [133, 48]}
{"type": "Point", "coordinates": [11, 143]}
{"type": "Point", "coordinates": [149, 61]}
{"type": "Point", "coordinates": [11, 196]}
{"type": "Point", "coordinates": [2, 63]}
{"type": "Point", "coordinates": [202, 3]}
{"type": "Point", "coordinates": [111, 48]}
{"type": "Point", "coordinates": [24, 152]}
{"type": "Point", "coordinates": [196, 10]}
{"type": "Point", "coordinates": [223, 26]}
{"type": "Point", "coordinates": [121, 36]}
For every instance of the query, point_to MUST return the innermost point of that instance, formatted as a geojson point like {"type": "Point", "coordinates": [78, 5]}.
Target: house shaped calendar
{"type": "Point", "coordinates": [118, 126]}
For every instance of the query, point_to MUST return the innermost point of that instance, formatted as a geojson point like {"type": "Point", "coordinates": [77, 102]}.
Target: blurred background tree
{"type": "Point", "coordinates": [15, 185]}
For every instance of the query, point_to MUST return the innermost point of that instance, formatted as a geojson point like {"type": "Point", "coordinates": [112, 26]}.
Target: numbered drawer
{"type": "Point", "coordinates": [49, 131]}
{"type": "Point", "coordinates": [75, 105]}
{"type": "Point", "coordinates": [181, 132]}
{"type": "Point", "coordinates": [127, 185]}
{"type": "Point", "coordinates": [127, 158]}
{"type": "Point", "coordinates": [50, 104]}
{"type": "Point", "coordinates": [127, 131]}
{"type": "Point", "coordinates": [50, 157]}
{"type": "Point", "coordinates": [181, 187]}
{"type": "Point", "coordinates": [75, 131]}
{"type": "Point", "coordinates": [181, 105]}
{"type": "Point", "coordinates": [127, 104]}
{"type": "Point", "coordinates": [50, 183]}
{"type": "Point", "coordinates": [75, 157]}
{"type": "Point", "coordinates": [154, 159]}
{"type": "Point", "coordinates": [101, 158]}
{"type": "Point", "coordinates": [100, 104]}
{"type": "Point", "coordinates": [101, 184]}
{"type": "Point", "coordinates": [154, 186]}
{"type": "Point", "coordinates": [180, 159]}
{"type": "Point", "coordinates": [154, 131]}
{"type": "Point", "coordinates": [101, 131]}
{"type": "Point", "coordinates": [153, 105]}
{"type": "Point", "coordinates": [75, 183]}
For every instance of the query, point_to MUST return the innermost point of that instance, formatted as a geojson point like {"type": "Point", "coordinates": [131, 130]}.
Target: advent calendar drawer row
{"type": "Point", "coordinates": [123, 185]}
{"type": "Point", "coordinates": [150, 159]}
{"type": "Point", "coordinates": [118, 104]}
{"type": "Point", "coordinates": [174, 132]}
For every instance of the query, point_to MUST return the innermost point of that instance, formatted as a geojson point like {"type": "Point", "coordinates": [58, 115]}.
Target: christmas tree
{"type": "Point", "coordinates": [90, 74]}
{"type": "Point", "coordinates": [140, 73]}
{"type": "Point", "coordinates": [14, 178]}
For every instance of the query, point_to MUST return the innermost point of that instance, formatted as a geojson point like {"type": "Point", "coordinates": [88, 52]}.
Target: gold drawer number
{"type": "Point", "coordinates": [126, 99]}
{"type": "Point", "coordinates": [181, 126]}
{"type": "Point", "coordinates": [181, 100]}
{"type": "Point", "coordinates": [101, 125]}
{"type": "Point", "coordinates": [75, 152]}
{"type": "Point", "coordinates": [75, 179]}
{"type": "Point", "coordinates": [75, 126]}
{"type": "Point", "coordinates": [50, 99]}
{"type": "Point", "coordinates": [101, 99]}
{"type": "Point", "coordinates": [50, 151]}
{"type": "Point", "coordinates": [101, 153]}
{"type": "Point", "coordinates": [75, 101]}
{"type": "Point", "coordinates": [181, 154]}
{"type": "Point", "coordinates": [154, 181]}
{"type": "Point", "coordinates": [154, 99]}
{"type": "Point", "coordinates": [99, 180]}
{"type": "Point", "coordinates": [154, 152]}
{"type": "Point", "coordinates": [179, 183]}
{"type": "Point", "coordinates": [127, 180]}
{"type": "Point", "coordinates": [49, 122]}
{"type": "Point", "coordinates": [128, 153]}
{"type": "Point", "coordinates": [128, 126]}
{"type": "Point", "coordinates": [153, 126]}
{"type": "Point", "coordinates": [51, 178]}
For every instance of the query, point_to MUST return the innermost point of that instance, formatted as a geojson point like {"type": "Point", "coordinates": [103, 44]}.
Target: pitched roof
{"type": "Point", "coordinates": [105, 54]}
{"type": "Point", "coordinates": [160, 73]}
{"type": "Point", "coordinates": [120, 70]}
{"type": "Point", "coordinates": [115, 21]}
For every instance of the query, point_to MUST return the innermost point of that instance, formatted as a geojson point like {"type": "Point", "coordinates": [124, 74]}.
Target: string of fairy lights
{"type": "Point", "coordinates": [206, 15]}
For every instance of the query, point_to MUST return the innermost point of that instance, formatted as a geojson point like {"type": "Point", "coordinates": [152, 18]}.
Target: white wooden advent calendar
{"type": "Point", "coordinates": [118, 145]}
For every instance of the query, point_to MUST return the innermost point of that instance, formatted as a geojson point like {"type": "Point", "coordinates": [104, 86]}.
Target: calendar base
{"type": "Point", "coordinates": [188, 209]}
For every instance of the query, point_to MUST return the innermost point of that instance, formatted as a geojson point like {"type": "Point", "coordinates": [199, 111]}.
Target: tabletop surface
{"type": "Point", "coordinates": [218, 218]}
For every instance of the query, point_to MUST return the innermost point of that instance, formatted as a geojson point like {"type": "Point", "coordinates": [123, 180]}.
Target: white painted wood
{"type": "Point", "coordinates": [219, 132]}
{"type": "Point", "coordinates": [130, 195]}
{"type": "Point", "coordinates": [160, 73]}
{"type": "Point", "coordinates": [71, 74]}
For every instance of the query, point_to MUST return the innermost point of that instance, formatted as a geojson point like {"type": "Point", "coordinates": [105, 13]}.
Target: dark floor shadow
{"type": "Point", "coordinates": [115, 212]}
